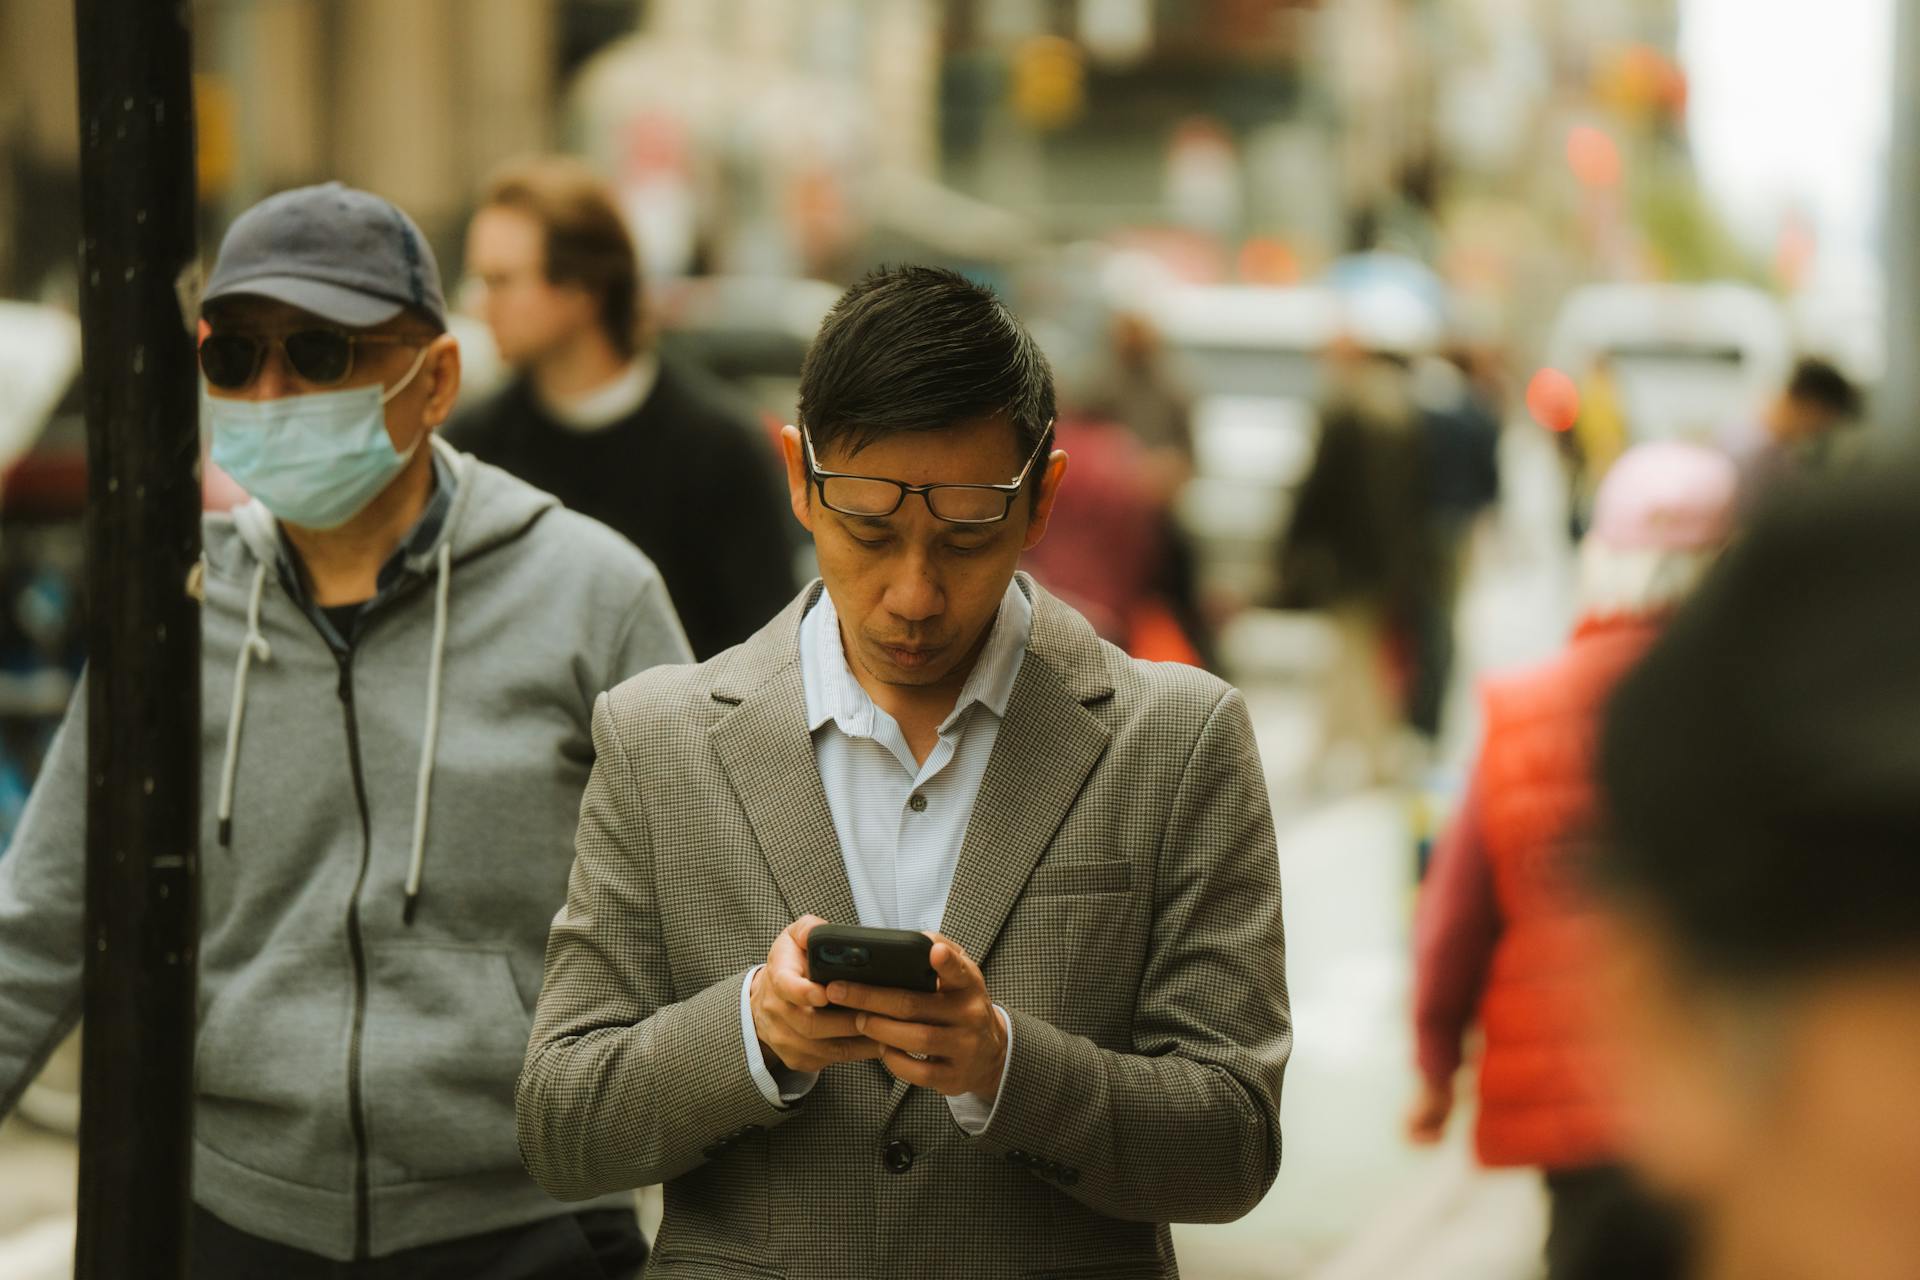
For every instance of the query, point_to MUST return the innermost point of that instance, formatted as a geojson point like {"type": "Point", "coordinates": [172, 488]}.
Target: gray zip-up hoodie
{"type": "Point", "coordinates": [355, 1072]}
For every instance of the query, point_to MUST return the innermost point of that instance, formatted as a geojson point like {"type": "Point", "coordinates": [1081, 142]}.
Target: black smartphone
{"type": "Point", "coordinates": [877, 957]}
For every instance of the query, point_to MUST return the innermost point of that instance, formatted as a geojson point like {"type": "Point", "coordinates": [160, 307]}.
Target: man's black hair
{"type": "Point", "coordinates": [1815, 381]}
{"type": "Point", "coordinates": [918, 348]}
{"type": "Point", "coordinates": [1762, 765]}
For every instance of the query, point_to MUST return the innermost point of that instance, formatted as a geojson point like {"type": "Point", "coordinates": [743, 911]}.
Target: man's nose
{"type": "Point", "coordinates": [915, 593]}
{"type": "Point", "coordinates": [274, 380]}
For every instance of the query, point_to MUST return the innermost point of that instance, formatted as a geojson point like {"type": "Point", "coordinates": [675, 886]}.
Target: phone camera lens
{"type": "Point", "coordinates": [856, 957]}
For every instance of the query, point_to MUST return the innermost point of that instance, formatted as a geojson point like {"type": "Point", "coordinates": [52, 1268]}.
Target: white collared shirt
{"type": "Point", "coordinates": [901, 823]}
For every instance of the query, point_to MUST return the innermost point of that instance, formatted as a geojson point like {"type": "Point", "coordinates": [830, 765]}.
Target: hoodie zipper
{"type": "Point", "coordinates": [355, 1096]}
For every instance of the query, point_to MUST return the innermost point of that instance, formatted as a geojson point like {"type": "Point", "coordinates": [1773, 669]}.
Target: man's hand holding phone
{"type": "Point", "coordinates": [951, 1040]}
{"type": "Point", "coordinates": [790, 1015]}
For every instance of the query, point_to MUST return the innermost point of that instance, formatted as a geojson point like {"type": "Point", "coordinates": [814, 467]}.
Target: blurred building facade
{"type": "Point", "coordinates": [1518, 147]}
{"type": "Point", "coordinates": [413, 98]}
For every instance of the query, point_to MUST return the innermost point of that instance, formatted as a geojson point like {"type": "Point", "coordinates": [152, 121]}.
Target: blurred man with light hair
{"type": "Point", "coordinates": [1505, 931]}
{"type": "Point", "coordinates": [598, 419]}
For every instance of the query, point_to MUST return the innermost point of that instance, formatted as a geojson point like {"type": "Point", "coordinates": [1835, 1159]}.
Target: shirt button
{"type": "Point", "coordinates": [917, 803]}
{"type": "Point", "coordinates": [898, 1157]}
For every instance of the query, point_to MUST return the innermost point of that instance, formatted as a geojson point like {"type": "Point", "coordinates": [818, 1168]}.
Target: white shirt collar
{"type": "Point", "coordinates": [834, 693]}
{"type": "Point", "coordinates": [602, 407]}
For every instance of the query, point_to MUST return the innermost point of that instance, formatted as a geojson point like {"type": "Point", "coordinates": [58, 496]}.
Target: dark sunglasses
{"type": "Point", "coordinates": [322, 357]}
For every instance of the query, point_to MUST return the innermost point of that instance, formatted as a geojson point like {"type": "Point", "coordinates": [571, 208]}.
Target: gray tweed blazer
{"type": "Point", "coordinates": [1118, 884]}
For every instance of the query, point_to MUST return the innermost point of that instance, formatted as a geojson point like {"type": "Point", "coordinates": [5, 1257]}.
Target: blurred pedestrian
{"type": "Point", "coordinates": [601, 420]}
{"type": "Point", "coordinates": [1460, 427]}
{"type": "Point", "coordinates": [1360, 548]}
{"type": "Point", "coordinates": [1804, 429]}
{"type": "Point", "coordinates": [1503, 939]}
{"type": "Point", "coordinates": [1135, 385]}
{"type": "Point", "coordinates": [1103, 547]}
{"type": "Point", "coordinates": [400, 650]}
{"type": "Point", "coordinates": [928, 742]}
{"type": "Point", "coordinates": [1762, 771]}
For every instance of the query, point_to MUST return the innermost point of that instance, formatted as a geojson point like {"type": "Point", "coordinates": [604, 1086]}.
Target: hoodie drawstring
{"type": "Point", "coordinates": [253, 645]}
{"type": "Point", "coordinates": [416, 867]}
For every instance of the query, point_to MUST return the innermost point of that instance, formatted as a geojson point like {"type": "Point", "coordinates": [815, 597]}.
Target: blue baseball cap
{"type": "Point", "coordinates": [345, 255]}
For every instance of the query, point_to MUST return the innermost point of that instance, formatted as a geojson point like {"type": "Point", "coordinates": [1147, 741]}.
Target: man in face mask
{"type": "Point", "coordinates": [401, 651]}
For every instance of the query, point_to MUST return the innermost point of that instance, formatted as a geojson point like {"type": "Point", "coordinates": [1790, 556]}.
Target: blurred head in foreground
{"type": "Point", "coordinates": [1661, 516]}
{"type": "Point", "coordinates": [1762, 769]}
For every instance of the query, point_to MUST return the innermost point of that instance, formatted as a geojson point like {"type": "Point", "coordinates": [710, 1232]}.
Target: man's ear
{"type": "Point", "coordinates": [1043, 501]}
{"type": "Point", "coordinates": [1663, 1043]}
{"type": "Point", "coordinates": [442, 371]}
{"type": "Point", "coordinates": [793, 453]}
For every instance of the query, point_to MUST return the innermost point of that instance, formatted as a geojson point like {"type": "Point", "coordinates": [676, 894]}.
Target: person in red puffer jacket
{"type": "Point", "coordinates": [1504, 932]}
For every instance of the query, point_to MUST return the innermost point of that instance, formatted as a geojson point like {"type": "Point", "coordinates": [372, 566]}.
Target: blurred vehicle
{"type": "Point", "coordinates": [1684, 359]}
{"type": "Point", "coordinates": [1253, 357]}
{"type": "Point", "coordinates": [751, 332]}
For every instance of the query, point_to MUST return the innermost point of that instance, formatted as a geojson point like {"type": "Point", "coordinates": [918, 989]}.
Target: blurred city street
{"type": "Point", "coordinates": [1416, 363]}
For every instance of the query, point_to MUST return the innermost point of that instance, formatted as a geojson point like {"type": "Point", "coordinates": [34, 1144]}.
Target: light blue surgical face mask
{"type": "Point", "coordinates": [315, 460]}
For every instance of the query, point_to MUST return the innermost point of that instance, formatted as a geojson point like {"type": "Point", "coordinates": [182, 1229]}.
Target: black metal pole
{"type": "Point", "coordinates": [137, 259]}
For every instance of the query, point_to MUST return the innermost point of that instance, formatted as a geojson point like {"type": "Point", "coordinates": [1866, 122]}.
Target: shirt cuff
{"type": "Point", "coordinates": [972, 1112]}
{"type": "Point", "coordinates": [778, 1085]}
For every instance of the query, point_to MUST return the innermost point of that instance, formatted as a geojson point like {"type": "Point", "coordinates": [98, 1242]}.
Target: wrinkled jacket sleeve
{"type": "Point", "coordinates": [42, 905]}
{"type": "Point", "coordinates": [623, 1087]}
{"type": "Point", "coordinates": [1186, 1128]}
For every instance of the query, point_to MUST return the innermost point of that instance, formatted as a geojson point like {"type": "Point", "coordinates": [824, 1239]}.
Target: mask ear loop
{"type": "Point", "coordinates": [412, 373]}
{"type": "Point", "coordinates": [400, 386]}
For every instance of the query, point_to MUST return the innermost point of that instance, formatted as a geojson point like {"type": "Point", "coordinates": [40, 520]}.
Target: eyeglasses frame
{"type": "Point", "coordinates": [818, 476]}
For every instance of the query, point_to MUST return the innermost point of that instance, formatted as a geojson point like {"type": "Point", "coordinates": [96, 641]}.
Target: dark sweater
{"type": "Point", "coordinates": [689, 478]}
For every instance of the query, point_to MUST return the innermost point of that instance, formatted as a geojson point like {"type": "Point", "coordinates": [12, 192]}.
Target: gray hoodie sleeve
{"type": "Point", "coordinates": [650, 636]}
{"type": "Point", "coordinates": [42, 905]}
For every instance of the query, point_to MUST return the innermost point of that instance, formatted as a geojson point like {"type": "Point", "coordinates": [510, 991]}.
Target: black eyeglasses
{"type": "Point", "coordinates": [323, 357]}
{"type": "Point", "coordinates": [873, 496]}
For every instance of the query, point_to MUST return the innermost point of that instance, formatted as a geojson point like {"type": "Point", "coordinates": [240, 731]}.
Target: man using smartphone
{"type": "Point", "coordinates": [923, 740]}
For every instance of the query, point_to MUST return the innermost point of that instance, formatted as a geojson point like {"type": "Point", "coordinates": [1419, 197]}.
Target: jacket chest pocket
{"type": "Point", "coordinates": [1106, 875]}
{"type": "Point", "coordinates": [1066, 952]}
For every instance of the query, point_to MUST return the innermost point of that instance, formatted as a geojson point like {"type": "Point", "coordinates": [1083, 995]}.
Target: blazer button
{"type": "Point", "coordinates": [1068, 1177]}
{"type": "Point", "coordinates": [898, 1157]}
